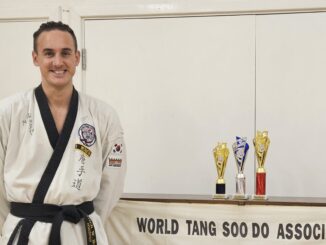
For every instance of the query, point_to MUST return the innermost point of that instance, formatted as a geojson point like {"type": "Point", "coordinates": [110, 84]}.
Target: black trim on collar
{"type": "Point", "coordinates": [61, 142]}
{"type": "Point", "coordinates": [46, 115]}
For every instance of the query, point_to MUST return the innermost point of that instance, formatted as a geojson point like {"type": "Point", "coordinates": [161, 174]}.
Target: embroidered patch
{"type": "Point", "coordinates": [87, 134]}
{"type": "Point", "coordinates": [77, 183]}
{"type": "Point", "coordinates": [115, 162]}
{"type": "Point", "coordinates": [115, 158]}
{"type": "Point", "coordinates": [28, 120]}
{"type": "Point", "coordinates": [83, 149]}
{"type": "Point", "coordinates": [117, 149]}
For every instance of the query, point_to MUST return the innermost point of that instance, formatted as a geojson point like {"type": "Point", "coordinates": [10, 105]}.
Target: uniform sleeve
{"type": "Point", "coordinates": [114, 169]}
{"type": "Point", "coordinates": [4, 204]}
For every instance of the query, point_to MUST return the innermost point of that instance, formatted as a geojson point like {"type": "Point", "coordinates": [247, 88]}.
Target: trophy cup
{"type": "Point", "coordinates": [261, 143]}
{"type": "Point", "coordinates": [221, 153]}
{"type": "Point", "coordinates": [240, 149]}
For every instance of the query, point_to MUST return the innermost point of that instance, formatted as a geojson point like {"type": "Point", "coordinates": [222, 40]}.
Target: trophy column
{"type": "Point", "coordinates": [260, 182]}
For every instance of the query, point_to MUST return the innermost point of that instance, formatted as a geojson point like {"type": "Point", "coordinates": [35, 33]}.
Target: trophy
{"type": "Point", "coordinates": [261, 143]}
{"type": "Point", "coordinates": [240, 149]}
{"type": "Point", "coordinates": [221, 153]}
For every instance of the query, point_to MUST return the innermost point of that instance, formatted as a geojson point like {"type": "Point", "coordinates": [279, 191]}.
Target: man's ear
{"type": "Point", "coordinates": [35, 61]}
{"type": "Point", "coordinates": [77, 55]}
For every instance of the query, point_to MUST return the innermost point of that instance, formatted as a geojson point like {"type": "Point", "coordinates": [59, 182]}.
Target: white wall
{"type": "Point", "coordinates": [16, 67]}
{"type": "Point", "coordinates": [291, 102]}
{"type": "Point", "coordinates": [164, 75]}
{"type": "Point", "coordinates": [173, 81]}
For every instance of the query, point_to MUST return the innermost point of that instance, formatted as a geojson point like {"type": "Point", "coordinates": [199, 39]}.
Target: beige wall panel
{"type": "Point", "coordinates": [180, 85]}
{"type": "Point", "coordinates": [291, 101]}
{"type": "Point", "coordinates": [18, 72]}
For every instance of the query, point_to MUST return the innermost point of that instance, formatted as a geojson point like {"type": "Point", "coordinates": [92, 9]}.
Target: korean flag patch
{"type": "Point", "coordinates": [115, 157]}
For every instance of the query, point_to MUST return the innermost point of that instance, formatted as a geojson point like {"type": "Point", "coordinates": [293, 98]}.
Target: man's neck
{"type": "Point", "coordinates": [58, 97]}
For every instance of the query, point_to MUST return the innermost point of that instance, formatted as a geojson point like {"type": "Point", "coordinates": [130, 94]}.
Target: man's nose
{"type": "Point", "coordinates": [57, 60]}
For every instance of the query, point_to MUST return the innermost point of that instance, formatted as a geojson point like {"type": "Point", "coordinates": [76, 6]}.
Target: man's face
{"type": "Point", "coordinates": [57, 58]}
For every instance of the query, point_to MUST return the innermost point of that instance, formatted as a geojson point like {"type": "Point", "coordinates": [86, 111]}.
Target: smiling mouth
{"type": "Point", "coordinates": [58, 73]}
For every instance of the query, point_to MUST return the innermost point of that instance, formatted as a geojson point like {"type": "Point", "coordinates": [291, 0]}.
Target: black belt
{"type": "Point", "coordinates": [54, 214]}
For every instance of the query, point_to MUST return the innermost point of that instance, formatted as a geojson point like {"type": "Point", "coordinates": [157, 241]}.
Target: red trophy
{"type": "Point", "coordinates": [261, 143]}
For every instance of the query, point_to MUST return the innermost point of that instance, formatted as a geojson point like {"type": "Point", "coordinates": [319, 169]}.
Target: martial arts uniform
{"type": "Point", "coordinates": [81, 171]}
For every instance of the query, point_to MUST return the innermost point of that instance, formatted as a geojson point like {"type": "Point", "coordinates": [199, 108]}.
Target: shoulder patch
{"type": "Point", "coordinates": [115, 157]}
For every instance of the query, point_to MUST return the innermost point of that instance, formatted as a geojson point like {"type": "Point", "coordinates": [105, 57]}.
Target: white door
{"type": "Point", "coordinates": [291, 101]}
{"type": "Point", "coordinates": [16, 65]}
{"type": "Point", "coordinates": [180, 85]}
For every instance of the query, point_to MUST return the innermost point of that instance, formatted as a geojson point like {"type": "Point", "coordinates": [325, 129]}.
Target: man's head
{"type": "Point", "coordinates": [50, 26]}
{"type": "Point", "coordinates": [55, 53]}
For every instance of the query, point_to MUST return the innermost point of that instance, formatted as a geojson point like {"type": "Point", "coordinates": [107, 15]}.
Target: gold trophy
{"type": "Point", "coordinates": [221, 153]}
{"type": "Point", "coordinates": [261, 143]}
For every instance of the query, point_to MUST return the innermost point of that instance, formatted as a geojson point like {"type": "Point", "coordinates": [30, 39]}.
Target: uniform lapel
{"type": "Point", "coordinates": [58, 142]}
{"type": "Point", "coordinates": [46, 115]}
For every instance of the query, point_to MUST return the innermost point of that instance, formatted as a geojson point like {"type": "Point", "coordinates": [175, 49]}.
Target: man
{"type": "Point", "coordinates": [62, 155]}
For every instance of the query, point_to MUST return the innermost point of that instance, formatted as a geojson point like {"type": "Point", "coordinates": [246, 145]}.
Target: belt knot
{"type": "Point", "coordinates": [71, 213]}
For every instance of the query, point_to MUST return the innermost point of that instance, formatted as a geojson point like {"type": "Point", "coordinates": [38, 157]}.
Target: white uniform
{"type": "Point", "coordinates": [92, 167]}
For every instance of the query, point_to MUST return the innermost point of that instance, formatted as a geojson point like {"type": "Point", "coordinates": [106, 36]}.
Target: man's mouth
{"type": "Point", "coordinates": [58, 72]}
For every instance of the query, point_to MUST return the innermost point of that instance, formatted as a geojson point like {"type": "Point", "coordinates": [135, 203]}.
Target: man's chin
{"type": "Point", "coordinates": [58, 83]}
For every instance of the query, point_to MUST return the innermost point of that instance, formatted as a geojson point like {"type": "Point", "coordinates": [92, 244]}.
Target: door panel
{"type": "Point", "coordinates": [16, 65]}
{"type": "Point", "coordinates": [291, 102]}
{"type": "Point", "coordinates": [180, 85]}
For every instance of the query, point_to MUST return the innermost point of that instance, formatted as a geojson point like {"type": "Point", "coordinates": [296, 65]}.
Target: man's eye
{"type": "Point", "coordinates": [65, 54]}
{"type": "Point", "coordinates": [48, 54]}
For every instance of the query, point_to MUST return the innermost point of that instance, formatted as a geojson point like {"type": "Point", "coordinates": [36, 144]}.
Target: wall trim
{"type": "Point", "coordinates": [191, 8]}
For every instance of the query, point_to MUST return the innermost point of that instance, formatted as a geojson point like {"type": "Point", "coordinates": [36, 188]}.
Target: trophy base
{"type": "Point", "coordinates": [240, 197]}
{"type": "Point", "coordinates": [220, 188]}
{"type": "Point", "coordinates": [220, 196]}
{"type": "Point", "coordinates": [259, 197]}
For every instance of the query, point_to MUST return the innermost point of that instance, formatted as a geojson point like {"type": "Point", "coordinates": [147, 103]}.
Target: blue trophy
{"type": "Point", "coordinates": [240, 149]}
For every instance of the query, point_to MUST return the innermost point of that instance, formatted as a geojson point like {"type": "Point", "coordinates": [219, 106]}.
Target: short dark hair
{"type": "Point", "coordinates": [50, 26]}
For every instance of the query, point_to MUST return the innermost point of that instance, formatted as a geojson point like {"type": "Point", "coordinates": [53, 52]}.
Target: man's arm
{"type": "Point", "coordinates": [4, 204]}
{"type": "Point", "coordinates": [114, 169]}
